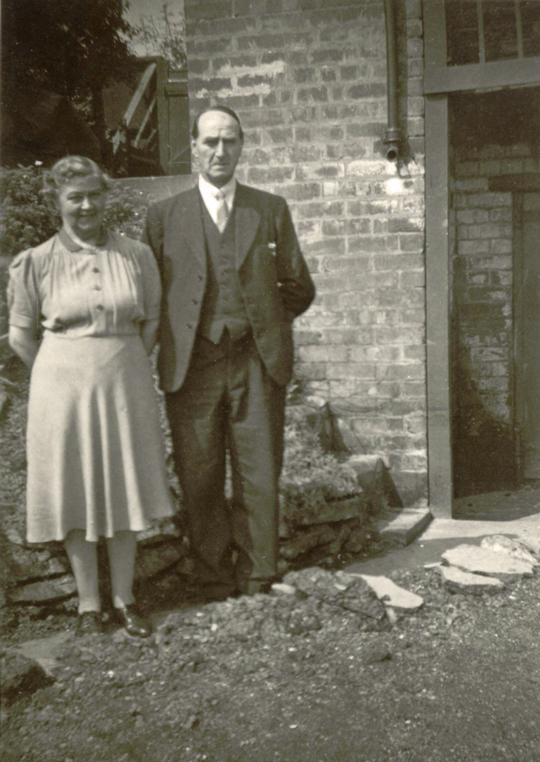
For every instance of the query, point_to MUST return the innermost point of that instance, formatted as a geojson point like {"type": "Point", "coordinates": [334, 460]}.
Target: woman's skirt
{"type": "Point", "coordinates": [95, 448]}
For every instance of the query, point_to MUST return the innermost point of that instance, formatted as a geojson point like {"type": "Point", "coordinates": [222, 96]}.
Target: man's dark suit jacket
{"type": "Point", "coordinates": [273, 275]}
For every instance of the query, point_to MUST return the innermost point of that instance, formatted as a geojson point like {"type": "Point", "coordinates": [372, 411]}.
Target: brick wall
{"type": "Point", "coordinates": [483, 330]}
{"type": "Point", "coordinates": [308, 78]}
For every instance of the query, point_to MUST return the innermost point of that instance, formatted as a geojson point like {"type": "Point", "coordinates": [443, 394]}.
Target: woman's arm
{"type": "Point", "coordinates": [23, 341]}
{"type": "Point", "coordinates": [149, 334]}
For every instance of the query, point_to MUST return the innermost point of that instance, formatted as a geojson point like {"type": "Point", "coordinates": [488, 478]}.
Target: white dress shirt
{"type": "Point", "coordinates": [208, 193]}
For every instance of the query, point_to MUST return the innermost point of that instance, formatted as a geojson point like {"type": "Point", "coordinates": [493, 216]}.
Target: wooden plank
{"type": "Point", "coordinates": [517, 285]}
{"type": "Point", "coordinates": [434, 34]}
{"type": "Point", "coordinates": [179, 133]}
{"type": "Point", "coordinates": [144, 122]}
{"type": "Point", "coordinates": [437, 307]}
{"type": "Point", "coordinates": [495, 74]}
{"type": "Point", "coordinates": [519, 28]}
{"type": "Point", "coordinates": [138, 94]}
{"type": "Point", "coordinates": [481, 34]}
{"type": "Point", "coordinates": [529, 181]}
{"type": "Point", "coordinates": [162, 113]}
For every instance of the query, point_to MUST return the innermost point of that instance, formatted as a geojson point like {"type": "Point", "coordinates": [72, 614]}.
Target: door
{"type": "Point", "coordinates": [528, 327]}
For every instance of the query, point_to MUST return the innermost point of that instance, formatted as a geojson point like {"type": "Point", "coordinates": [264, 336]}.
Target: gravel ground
{"type": "Point", "coordinates": [289, 679]}
{"type": "Point", "coordinates": [271, 679]}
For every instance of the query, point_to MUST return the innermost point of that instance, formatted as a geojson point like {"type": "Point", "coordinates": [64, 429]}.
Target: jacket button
{"type": "Point", "coordinates": [189, 325]}
{"type": "Point", "coordinates": [195, 301]}
{"type": "Point", "coordinates": [200, 277]}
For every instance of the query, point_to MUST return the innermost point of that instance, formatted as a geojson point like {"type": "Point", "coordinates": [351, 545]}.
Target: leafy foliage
{"type": "Point", "coordinates": [28, 221]}
{"type": "Point", "coordinates": [164, 36]}
{"type": "Point", "coordinates": [311, 476]}
{"type": "Point", "coordinates": [72, 48]}
{"type": "Point", "coordinates": [67, 46]}
{"type": "Point", "coordinates": [26, 218]}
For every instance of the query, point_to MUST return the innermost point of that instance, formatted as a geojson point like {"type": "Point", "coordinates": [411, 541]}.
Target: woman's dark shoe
{"type": "Point", "coordinates": [89, 623]}
{"type": "Point", "coordinates": [133, 623]}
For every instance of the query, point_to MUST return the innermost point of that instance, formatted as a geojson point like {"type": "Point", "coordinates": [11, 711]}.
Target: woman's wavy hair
{"type": "Point", "coordinates": [67, 169]}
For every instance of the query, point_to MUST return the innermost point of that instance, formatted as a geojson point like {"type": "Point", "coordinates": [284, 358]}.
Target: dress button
{"type": "Point", "coordinates": [95, 269]}
{"type": "Point", "coordinates": [97, 288]}
{"type": "Point", "coordinates": [99, 307]}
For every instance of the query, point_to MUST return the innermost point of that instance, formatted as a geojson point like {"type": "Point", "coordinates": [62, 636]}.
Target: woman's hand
{"type": "Point", "coordinates": [149, 334]}
{"type": "Point", "coordinates": [23, 341]}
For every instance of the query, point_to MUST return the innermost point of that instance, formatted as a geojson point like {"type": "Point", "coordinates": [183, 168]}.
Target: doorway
{"type": "Point", "coordinates": [495, 293]}
{"type": "Point", "coordinates": [527, 334]}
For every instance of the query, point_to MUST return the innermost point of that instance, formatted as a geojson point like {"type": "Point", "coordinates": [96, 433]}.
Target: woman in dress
{"type": "Point", "coordinates": [84, 309]}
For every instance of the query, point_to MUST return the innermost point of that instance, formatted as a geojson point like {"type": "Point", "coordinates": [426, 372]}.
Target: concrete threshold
{"type": "Point", "coordinates": [403, 525]}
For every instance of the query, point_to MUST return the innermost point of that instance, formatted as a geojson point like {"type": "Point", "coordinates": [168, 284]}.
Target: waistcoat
{"type": "Point", "coordinates": [223, 302]}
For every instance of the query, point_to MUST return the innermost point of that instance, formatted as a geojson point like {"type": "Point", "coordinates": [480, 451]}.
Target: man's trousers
{"type": "Point", "coordinates": [229, 403]}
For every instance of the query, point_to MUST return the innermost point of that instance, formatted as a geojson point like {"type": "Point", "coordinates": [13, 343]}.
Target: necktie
{"type": "Point", "coordinates": [222, 213]}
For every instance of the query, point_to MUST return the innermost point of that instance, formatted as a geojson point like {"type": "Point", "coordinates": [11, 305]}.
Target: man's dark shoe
{"type": "Point", "coordinates": [132, 621]}
{"type": "Point", "coordinates": [88, 623]}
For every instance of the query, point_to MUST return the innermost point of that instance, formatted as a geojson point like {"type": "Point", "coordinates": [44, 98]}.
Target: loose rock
{"type": "Point", "coordinates": [20, 676]}
{"type": "Point", "coordinates": [44, 591]}
{"type": "Point", "coordinates": [458, 581]}
{"type": "Point", "coordinates": [343, 590]}
{"type": "Point", "coordinates": [476, 560]}
{"type": "Point", "coordinates": [377, 653]}
{"type": "Point", "coordinates": [279, 588]}
{"type": "Point", "coordinates": [500, 543]}
{"type": "Point", "coordinates": [391, 594]}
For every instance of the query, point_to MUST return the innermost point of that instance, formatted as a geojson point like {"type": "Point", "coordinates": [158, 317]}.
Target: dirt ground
{"type": "Point", "coordinates": [278, 679]}
{"type": "Point", "coordinates": [282, 679]}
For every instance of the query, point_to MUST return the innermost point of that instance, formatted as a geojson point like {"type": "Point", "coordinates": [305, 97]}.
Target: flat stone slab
{"type": "Point", "coordinates": [500, 543]}
{"type": "Point", "coordinates": [477, 560]}
{"type": "Point", "coordinates": [45, 591]}
{"type": "Point", "coordinates": [458, 581]}
{"type": "Point", "coordinates": [391, 594]}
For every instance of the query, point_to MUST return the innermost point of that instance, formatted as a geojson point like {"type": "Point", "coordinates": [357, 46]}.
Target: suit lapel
{"type": "Point", "coordinates": [247, 220]}
{"type": "Point", "coordinates": [189, 220]}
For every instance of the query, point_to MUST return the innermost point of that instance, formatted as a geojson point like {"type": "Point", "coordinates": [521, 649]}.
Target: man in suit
{"type": "Point", "coordinates": [234, 279]}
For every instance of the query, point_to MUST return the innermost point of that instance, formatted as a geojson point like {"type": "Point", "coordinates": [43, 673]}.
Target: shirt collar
{"type": "Point", "coordinates": [208, 190]}
{"type": "Point", "coordinates": [71, 245]}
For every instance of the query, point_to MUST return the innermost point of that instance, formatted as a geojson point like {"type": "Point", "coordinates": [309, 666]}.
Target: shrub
{"type": "Point", "coordinates": [311, 476]}
{"type": "Point", "coordinates": [27, 220]}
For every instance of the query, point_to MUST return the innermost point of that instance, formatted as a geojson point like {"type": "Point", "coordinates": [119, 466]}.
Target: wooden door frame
{"type": "Point", "coordinates": [438, 290]}
{"type": "Point", "coordinates": [517, 317]}
{"type": "Point", "coordinates": [519, 186]}
{"type": "Point", "coordinates": [439, 81]}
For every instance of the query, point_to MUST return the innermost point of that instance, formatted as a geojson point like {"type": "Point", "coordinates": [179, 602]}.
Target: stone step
{"type": "Point", "coordinates": [403, 525]}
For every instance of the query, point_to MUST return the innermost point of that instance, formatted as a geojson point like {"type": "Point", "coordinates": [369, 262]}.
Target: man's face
{"type": "Point", "coordinates": [217, 147]}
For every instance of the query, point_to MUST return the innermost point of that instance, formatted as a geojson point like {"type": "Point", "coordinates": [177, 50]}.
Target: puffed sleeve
{"type": "Point", "coordinates": [23, 294]}
{"type": "Point", "coordinates": [151, 285]}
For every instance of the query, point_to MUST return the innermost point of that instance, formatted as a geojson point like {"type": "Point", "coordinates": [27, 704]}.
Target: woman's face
{"type": "Point", "coordinates": [82, 205]}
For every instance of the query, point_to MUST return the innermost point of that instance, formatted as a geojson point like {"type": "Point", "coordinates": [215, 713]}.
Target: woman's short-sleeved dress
{"type": "Point", "coordinates": [94, 441]}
